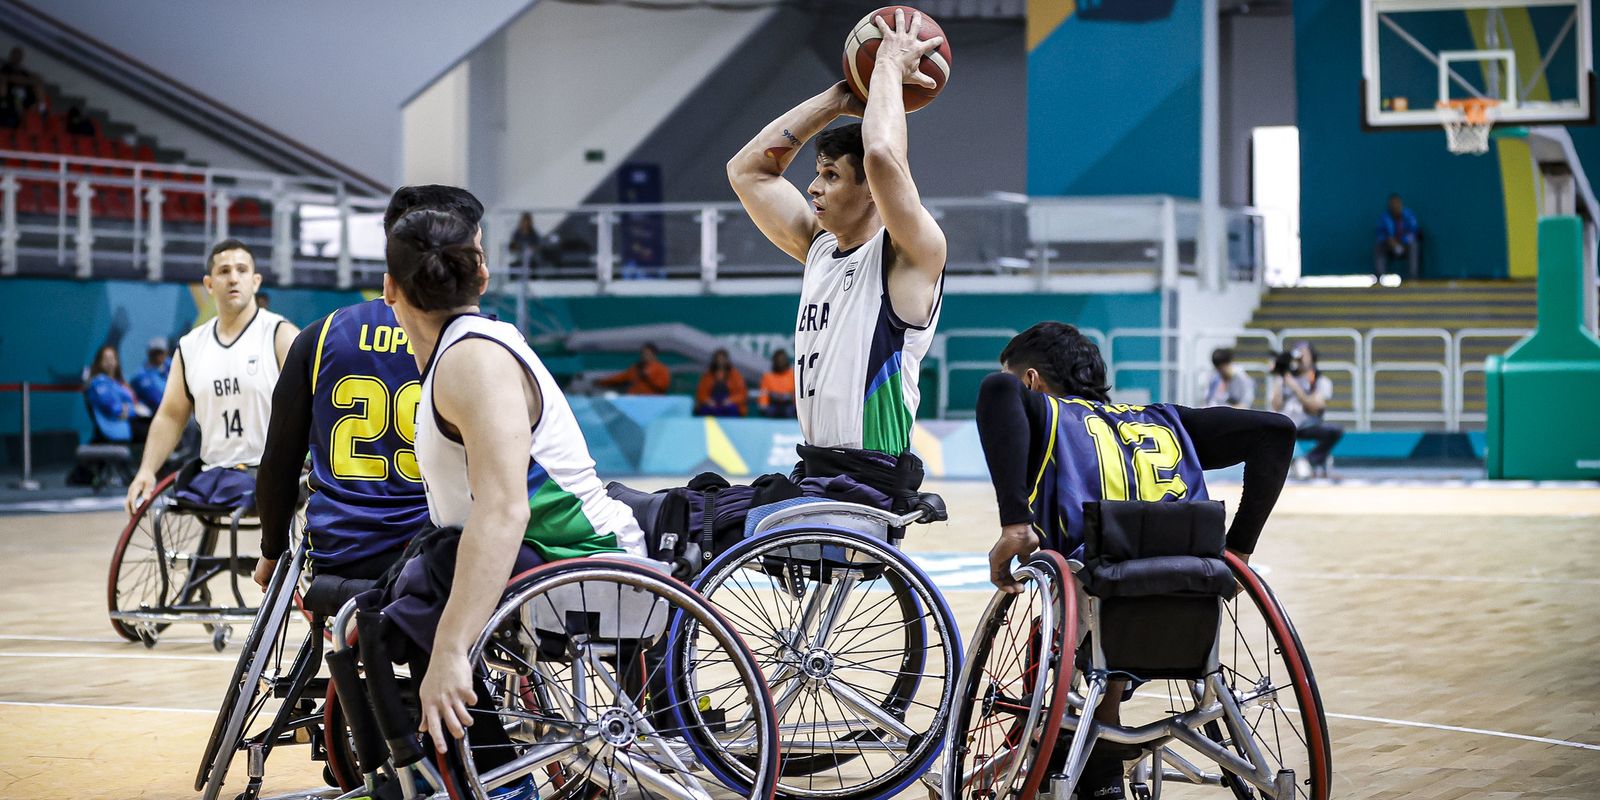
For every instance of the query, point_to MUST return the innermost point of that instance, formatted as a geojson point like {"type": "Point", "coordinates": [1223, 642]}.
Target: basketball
{"type": "Point", "coordinates": [861, 53]}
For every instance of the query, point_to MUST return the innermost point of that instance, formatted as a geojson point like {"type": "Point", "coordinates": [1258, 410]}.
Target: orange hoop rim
{"type": "Point", "coordinates": [1475, 110]}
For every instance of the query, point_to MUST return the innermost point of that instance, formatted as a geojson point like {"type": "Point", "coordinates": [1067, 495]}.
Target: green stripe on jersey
{"type": "Point", "coordinates": [557, 528]}
{"type": "Point", "coordinates": [885, 418]}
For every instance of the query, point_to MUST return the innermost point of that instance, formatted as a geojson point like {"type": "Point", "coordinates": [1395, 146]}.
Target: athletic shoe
{"type": "Point", "coordinates": [524, 789]}
{"type": "Point", "coordinates": [1102, 778]}
{"type": "Point", "coordinates": [1300, 469]}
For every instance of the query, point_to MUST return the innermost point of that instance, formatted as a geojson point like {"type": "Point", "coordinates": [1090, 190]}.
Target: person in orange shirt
{"type": "Point", "coordinates": [649, 376]}
{"type": "Point", "coordinates": [722, 391]}
{"type": "Point", "coordinates": [777, 388]}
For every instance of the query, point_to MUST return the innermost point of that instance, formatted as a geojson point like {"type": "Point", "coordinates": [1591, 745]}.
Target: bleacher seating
{"type": "Point", "coordinates": [47, 134]}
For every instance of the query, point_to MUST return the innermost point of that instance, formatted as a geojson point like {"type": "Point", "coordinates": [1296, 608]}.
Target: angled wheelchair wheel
{"type": "Point", "coordinates": [1014, 687]}
{"type": "Point", "coordinates": [858, 648]}
{"type": "Point", "coordinates": [1265, 665]}
{"type": "Point", "coordinates": [264, 661]}
{"type": "Point", "coordinates": [149, 568]}
{"type": "Point", "coordinates": [567, 662]}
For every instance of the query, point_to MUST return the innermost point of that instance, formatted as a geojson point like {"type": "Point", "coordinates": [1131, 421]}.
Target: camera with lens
{"type": "Point", "coordinates": [1286, 363]}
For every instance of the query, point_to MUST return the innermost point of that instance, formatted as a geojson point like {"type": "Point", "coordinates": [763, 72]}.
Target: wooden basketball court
{"type": "Point", "coordinates": [1453, 630]}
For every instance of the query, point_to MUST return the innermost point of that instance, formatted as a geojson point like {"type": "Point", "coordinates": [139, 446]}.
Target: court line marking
{"type": "Point", "coordinates": [1393, 576]}
{"type": "Point", "coordinates": [1458, 729]}
{"type": "Point", "coordinates": [27, 704]}
{"type": "Point", "coordinates": [129, 656]}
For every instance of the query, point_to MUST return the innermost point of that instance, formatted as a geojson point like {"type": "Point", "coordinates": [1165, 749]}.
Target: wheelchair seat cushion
{"type": "Point", "coordinates": [1138, 549]}
{"type": "Point", "coordinates": [217, 491]}
{"type": "Point", "coordinates": [328, 593]}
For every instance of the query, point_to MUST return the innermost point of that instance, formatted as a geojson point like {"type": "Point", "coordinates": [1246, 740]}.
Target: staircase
{"type": "Point", "coordinates": [1407, 333]}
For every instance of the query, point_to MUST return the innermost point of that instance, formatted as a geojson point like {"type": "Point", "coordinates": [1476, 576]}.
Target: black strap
{"type": "Point", "coordinates": [708, 524]}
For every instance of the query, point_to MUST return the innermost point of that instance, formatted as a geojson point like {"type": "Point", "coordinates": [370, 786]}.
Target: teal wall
{"type": "Point", "coordinates": [49, 329]}
{"type": "Point", "coordinates": [1114, 105]}
{"type": "Point", "coordinates": [1346, 174]}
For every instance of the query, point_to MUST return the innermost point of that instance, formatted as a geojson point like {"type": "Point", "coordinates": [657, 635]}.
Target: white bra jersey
{"type": "Point", "coordinates": [231, 388]}
{"type": "Point", "coordinates": [570, 514]}
{"type": "Point", "coordinates": [856, 362]}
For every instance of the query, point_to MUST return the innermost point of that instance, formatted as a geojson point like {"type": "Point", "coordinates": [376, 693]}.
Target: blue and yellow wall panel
{"type": "Point", "coordinates": [1114, 97]}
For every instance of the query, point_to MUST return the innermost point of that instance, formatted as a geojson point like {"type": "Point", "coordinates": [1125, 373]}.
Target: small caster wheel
{"type": "Point", "coordinates": [220, 636]}
{"type": "Point", "coordinates": [148, 638]}
{"type": "Point", "coordinates": [327, 777]}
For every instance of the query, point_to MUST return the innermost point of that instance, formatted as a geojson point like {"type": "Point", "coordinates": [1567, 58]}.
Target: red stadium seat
{"type": "Point", "coordinates": [8, 139]}
{"type": "Point", "coordinates": [145, 153]}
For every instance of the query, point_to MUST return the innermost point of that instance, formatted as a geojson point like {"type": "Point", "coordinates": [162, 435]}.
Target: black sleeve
{"type": "Point", "coordinates": [288, 437]}
{"type": "Point", "coordinates": [1263, 441]}
{"type": "Point", "coordinates": [1011, 420]}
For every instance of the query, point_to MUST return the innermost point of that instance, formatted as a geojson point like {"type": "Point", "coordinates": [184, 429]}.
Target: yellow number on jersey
{"type": "Point", "coordinates": [369, 421]}
{"type": "Point", "coordinates": [1149, 463]}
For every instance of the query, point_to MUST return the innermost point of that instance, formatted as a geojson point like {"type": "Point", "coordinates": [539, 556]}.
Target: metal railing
{"type": "Point", "coordinates": [1182, 372]}
{"type": "Point", "coordinates": [109, 218]}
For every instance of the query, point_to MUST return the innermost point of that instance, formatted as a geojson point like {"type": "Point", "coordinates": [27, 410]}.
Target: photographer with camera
{"type": "Point", "coordinates": [1301, 392]}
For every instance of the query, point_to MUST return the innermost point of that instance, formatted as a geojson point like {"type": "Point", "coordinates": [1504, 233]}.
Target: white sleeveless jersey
{"type": "Point", "coordinates": [856, 362]}
{"type": "Point", "coordinates": [570, 513]}
{"type": "Point", "coordinates": [231, 387]}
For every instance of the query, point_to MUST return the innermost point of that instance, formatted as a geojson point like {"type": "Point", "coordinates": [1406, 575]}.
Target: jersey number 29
{"type": "Point", "coordinates": [369, 421]}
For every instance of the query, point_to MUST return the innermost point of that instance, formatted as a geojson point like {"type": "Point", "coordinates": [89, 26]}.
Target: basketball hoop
{"type": "Point", "coordinates": [1467, 122]}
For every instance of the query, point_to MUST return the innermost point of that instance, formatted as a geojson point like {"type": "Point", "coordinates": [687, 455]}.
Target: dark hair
{"type": "Point", "coordinates": [780, 352]}
{"type": "Point", "coordinates": [1309, 348]}
{"type": "Point", "coordinates": [224, 246]}
{"type": "Point", "coordinates": [651, 346]}
{"type": "Point", "coordinates": [94, 366]}
{"type": "Point", "coordinates": [432, 257]}
{"type": "Point", "coordinates": [432, 196]}
{"type": "Point", "coordinates": [723, 352]}
{"type": "Point", "coordinates": [1221, 355]}
{"type": "Point", "coordinates": [1064, 357]}
{"type": "Point", "coordinates": [845, 140]}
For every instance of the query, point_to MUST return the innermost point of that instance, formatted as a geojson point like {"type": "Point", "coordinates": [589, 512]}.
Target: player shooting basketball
{"type": "Point", "coordinates": [874, 264]}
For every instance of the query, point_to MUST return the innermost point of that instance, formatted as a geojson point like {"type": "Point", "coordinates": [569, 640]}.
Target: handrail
{"type": "Point", "coordinates": [1446, 412]}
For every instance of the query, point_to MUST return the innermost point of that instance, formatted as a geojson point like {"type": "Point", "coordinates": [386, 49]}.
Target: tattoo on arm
{"type": "Point", "coordinates": [791, 138]}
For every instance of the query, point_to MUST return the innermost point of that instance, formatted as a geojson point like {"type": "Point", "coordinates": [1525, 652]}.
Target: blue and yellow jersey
{"type": "Point", "coordinates": [367, 495]}
{"type": "Point", "coordinates": [1108, 451]}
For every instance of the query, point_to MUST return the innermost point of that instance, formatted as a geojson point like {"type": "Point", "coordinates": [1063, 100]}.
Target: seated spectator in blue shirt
{"type": "Point", "coordinates": [110, 400]}
{"type": "Point", "coordinates": [1399, 237]}
{"type": "Point", "coordinates": [151, 382]}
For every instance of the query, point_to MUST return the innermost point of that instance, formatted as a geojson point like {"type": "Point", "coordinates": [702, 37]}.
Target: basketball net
{"type": "Point", "coordinates": [1467, 123]}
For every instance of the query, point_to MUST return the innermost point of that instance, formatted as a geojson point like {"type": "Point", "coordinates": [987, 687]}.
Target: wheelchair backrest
{"type": "Point", "coordinates": [602, 609]}
{"type": "Point", "coordinates": [1156, 576]}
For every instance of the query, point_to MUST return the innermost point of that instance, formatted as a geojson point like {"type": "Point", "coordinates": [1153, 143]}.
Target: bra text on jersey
{"type": "Point", "coordinates": [813, 317]}
{"type": "Point", "coordinates": [225, 386]}
{"type": "Point", "coordinates": [384, 339]}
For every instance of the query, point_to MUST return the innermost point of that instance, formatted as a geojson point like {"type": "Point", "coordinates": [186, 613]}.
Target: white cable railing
{"type": "Point", "coordinates": [1360, 401]}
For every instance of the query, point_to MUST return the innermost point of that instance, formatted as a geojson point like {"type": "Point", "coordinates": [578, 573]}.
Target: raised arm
{"type": "Point", "coordinates": [166, 428]}
{"type": "Point", "coordinates": [919, 245]}
{"type": "Point", "coordinates": [776, 206]}
{"type": "Point", "coordinates": [472, 392]}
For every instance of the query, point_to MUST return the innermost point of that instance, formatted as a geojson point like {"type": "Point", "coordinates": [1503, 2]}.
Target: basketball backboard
{"type": "Point", "coordinates": [1535, 57]}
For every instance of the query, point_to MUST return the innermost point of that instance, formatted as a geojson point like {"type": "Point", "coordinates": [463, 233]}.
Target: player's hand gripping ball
{"type": "Point", "coordinates": [901, 33]}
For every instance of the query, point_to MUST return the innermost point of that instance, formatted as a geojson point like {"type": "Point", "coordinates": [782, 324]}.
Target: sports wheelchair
{"type": "Point", "coordinates": [1160, 601]}
{"type": "Point", "coordinates": [567, 708]}
{"type": "Point", "coordinates": [180, 562]}
{"type": "Point", "coordinates": [855, 641]}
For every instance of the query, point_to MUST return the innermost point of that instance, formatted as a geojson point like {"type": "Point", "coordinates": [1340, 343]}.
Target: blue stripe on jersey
{"type": "Point", "coordinates": [364, 500]}
{"type": "Point", "coordinates": [537, 477]}
{"type": "Point", "coordinates": [1109, 451]}
{"type": "Point", "coordinates": [889, 369]}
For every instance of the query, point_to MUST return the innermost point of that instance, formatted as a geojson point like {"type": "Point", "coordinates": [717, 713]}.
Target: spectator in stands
{"type": "Point", "coordinates": [722, 392]}
{"type": "Point", "coordinates": [525, 245]}
{"type": "Point", "coordinates": [648, 376]}
{"type": "Point", "coordinates": [777, 388]}
{"type": "Point", "coordinates": [1301, 392]}
{"type": "Point", "coordinates": [1399, 237]}
{"type": "Point", "coordinates": [10, 119]}
{"type": "Point", "coordinates": [110, 400]}
{"type": "Point", "coordinates": [151, 382]}
{"type": "Point", "coordinates": [1227, 386]}
{"type": "Point", "coordinates": [79, 124]}
{"type": "Point", "coordinates": [23, 86]}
